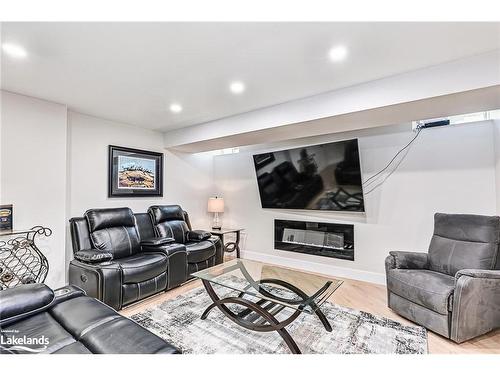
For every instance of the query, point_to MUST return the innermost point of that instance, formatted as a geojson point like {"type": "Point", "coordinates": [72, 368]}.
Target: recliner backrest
{"type": "Point", "coordinates": [113, 230]}
{"type": "Point", "coordinates": [464, 241]}
{"type": "Point", "coordinates": [80, 235]}
{"type": "Point", "coordinates": [144, 225]}
{"type": "Point", "coordinates": [169, 221]}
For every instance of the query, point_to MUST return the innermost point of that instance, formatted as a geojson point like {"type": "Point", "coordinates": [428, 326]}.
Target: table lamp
{"type": "Point", "coordinates": [216, 205]}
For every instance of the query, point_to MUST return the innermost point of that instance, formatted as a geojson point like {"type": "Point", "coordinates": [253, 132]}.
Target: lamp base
{"type": "Point", "coordinates": [216, 223]}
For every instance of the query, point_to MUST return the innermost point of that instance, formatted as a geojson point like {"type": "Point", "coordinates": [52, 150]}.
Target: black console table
{"type": "Point", "coordinates": [21, 262]}
{"type": "Point", "coordinates": [229, 247]}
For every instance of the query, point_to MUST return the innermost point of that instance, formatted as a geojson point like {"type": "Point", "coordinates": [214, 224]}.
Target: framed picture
{"type": "Point", "coordinates": [134, 173]}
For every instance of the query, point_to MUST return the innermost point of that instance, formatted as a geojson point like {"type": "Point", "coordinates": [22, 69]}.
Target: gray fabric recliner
{"type": "Point", "coordinates": [454, 289]}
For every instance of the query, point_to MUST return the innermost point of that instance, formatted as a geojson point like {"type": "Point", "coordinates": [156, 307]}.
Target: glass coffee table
{"type": "Point", "coordinates": [265, 291]}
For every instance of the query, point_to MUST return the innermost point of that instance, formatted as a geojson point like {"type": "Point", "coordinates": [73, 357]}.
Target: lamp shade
{"type": "Point", "coordinates": [215, 204]}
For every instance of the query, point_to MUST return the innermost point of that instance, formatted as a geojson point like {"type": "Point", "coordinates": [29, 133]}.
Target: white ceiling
{"type": "Point", "coordinates": [132, 72]}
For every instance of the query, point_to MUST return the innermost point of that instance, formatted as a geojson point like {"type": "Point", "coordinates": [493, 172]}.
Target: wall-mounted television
{"type": "Point", "coordinates": [320, 177]}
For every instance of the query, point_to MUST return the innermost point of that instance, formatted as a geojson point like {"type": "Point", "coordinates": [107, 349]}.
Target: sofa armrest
{"type": "Point", "coordinates": [157, 241]}
{"type": "Point", "coordinates": [93, 256]}
{"type": "Point", "coordinates": [23, 301]}
{"type": "Point", "coordinates": [407, 260]}
{"type": "Point", "coordinates": [485, 274]}
{"type": "Point", "coordinates": [99, 280]}
{"type": "Point", "coordinates": [197, 235]}
{"type": "Point", "coordinates": [476, 303]}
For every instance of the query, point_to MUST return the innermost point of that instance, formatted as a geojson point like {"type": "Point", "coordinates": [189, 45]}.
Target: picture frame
{"type": "Point", "coordinates": [134, 173]}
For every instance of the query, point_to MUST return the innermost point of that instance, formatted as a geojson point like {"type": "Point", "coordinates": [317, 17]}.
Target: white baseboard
{"type": "Point", "coordinates": [348, 273]}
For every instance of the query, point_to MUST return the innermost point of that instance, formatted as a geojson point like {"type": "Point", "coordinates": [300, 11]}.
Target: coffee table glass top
{"type": "Point", "coordinates": [291, 288]}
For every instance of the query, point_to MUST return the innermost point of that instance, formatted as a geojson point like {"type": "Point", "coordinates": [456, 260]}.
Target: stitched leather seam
{"type": "Point", "coordinates": [454, 239]}
{"type": "Point", "coordinates": [129, 242]}
{"type": "Point", "coordinates": [110, 240]}
{"type": "Point", "coordinates": [60, 345]}
{"type": "Point", "coordinates": [97, 324]}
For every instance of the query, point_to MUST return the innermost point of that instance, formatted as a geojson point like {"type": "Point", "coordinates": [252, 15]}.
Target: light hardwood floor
{"type": "Point", "coordinates": [363, 296]}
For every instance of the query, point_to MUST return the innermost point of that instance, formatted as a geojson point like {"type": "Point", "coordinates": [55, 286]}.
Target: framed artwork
{"type": "Point", "coordinates": [134, 173]}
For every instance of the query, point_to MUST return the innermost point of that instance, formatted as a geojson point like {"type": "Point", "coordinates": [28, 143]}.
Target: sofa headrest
{"type": "Point", "coordinates": [470, 228]}
{"type": "Point", "coordinates": [24, 300]}
{"type": "Point", "coordinates": [160, 214]}
{"type": "Point", "coordinates": [109, 217]}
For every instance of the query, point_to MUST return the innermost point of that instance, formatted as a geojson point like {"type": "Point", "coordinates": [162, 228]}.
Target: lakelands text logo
{"type": "Point", "coordinates": [10, 340]}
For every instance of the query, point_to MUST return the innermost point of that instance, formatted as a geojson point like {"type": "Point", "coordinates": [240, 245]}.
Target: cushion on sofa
{"type": "Point", "coordinates": [101, 218]}
{"type": "Point", "coordinates": [165, 212]}
{"type": "Point", "coordinates": [169, 221]}
{"type": "Point", "coordinates": [123, 336]}
{"type": "Point", "coordinates": [24, 300]}
{"type": "Point", "coordinates": [113, 230]}
{"type": "Point", "coordinates": [199, 251]}
{"type": "Point", "coordinates": [176, 229]}
{"type": "Point", "coordinates": [424, 287]}
{"type": "Point", "coordinates": [142, 267]}
{"type": "Point", "coordinates": [36, 326]}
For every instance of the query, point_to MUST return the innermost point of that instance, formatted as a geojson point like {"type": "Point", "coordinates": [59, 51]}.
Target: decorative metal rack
{"type": "Point", "coordinates": [21, 262]}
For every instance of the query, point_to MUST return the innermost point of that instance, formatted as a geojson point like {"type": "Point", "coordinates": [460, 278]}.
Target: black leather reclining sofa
{"type": "Point", "coordinates": [122, 257]}
{"type": "Point", "coordinates": [66, 321]}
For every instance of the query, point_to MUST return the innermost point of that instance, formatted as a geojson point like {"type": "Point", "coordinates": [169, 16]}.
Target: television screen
{"type": "Point", "coordinates": [320, 177]}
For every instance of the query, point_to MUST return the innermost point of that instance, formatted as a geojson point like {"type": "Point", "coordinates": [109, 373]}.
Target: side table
{"type": "Point", "coordinates": [229, 247]}
{"type": "Point", "coordinates": [21, 261]}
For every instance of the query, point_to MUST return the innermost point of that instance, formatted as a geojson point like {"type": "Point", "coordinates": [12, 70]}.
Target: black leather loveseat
{"type": "Point", "coordinates": [285, 187]}
{"type": "Point", "coordinates": [122, 257]}
{"type": "Point", "coordinates": [36, 319]}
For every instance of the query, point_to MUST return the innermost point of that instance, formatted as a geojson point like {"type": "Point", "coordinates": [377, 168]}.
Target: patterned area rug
{"type": "Point", "coordinates": [354, 332]}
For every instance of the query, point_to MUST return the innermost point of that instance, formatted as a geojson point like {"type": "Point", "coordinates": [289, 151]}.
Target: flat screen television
{"type": "Point", "coordinates": [320, 177]}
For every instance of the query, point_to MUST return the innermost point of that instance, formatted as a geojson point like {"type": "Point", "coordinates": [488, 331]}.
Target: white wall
{"type": "Point", "coordinates": [497, 161]}
{"type": "Point", "coordinates": [447, 170]}
{"type": "Point", "coordinates": [33, 171]}
{"type": "Point", "coordinates": [53, 166]}
{"type": "Point", "coordinates": [456, 76]}
{"type": "Point", "coordinates": [187, 178]}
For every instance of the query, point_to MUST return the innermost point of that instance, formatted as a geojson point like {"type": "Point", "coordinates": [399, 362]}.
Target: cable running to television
{"type": "Point", "coordinates": [374, 178]}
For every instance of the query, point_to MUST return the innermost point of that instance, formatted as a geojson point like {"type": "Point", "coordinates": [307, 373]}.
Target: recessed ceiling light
{"type": "Point", "coordinates": [237, 87]}
{"type": "Point", "coordinates": [175, 108]}
{"type": "Point", "coordinates": [14, 50]}
{"type": "Point", "coordinates": [338, 53]}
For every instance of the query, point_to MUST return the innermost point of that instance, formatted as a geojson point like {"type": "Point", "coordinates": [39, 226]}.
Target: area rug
{"type": "Point", "coordinates": [354, 332]}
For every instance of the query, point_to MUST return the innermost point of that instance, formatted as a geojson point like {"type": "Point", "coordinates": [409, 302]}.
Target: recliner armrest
{"type": "Point", "coordinates": [409, 260]}
{"type": "Point", "coordinates": [24, 300]}
{"type": "Point", "coordinates": [93, 256]}
{"type": "Point", "coordinates": [476, 303]}
{"type": "Point", "coordinates": [484, 274]}
{"type": "Point", "coordinates": [157, 241]}
{"type": "Point", "coordinates": [197, 235]}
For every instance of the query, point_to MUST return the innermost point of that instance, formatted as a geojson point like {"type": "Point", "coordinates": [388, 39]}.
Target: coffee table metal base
{"type": "Point", "coordinates": [260, 316]}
